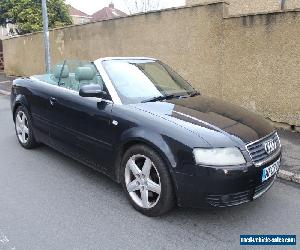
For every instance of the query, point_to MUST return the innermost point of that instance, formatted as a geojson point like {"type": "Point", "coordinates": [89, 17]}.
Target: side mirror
{"type": "Point", "coordinates": [92, 90]}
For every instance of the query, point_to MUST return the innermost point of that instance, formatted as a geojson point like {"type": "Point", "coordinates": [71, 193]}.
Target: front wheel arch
{"type": "Point", "coordinates": [130, 143]}
{"type": "Point", "coordinates": [168, 195]}
{"type": "Point", "coordinates": [126, 146]}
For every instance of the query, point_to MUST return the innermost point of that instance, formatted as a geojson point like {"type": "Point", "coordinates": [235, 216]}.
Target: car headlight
{"type": "Point", "coordinates": [218, 156]}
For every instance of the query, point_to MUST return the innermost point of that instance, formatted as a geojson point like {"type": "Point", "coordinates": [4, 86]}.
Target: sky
{"type": "Point", "coordinates": [91, 6]}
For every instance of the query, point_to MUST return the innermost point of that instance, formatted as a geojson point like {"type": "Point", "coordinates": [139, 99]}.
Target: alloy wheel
{"type": "Point", "coordinates": [142, 181]}
{"type": "Point", "coordinates": [22, 127]}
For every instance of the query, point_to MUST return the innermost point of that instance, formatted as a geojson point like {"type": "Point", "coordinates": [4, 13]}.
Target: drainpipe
{"type": "Point", "coordinates": [282, 4]}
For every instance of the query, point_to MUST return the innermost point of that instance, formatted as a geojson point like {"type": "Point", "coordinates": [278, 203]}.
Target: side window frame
{"type": "Point", "coordinates": [70, 78]}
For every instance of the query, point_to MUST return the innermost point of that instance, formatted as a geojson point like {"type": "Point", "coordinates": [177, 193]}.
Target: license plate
{"type": "Point", "coordinates": [270, 170]}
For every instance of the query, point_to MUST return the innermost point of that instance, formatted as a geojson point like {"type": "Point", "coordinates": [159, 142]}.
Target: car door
{"type": "Point", "coordinates": [38, 98]}
{"type": "Point", "coordinates": [41, 89]}
{"type": "Point", "coordinates": [81, 126]}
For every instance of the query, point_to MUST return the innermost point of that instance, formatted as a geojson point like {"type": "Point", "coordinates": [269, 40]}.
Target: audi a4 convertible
{"type": "Point", "coordinates": [137, 121]}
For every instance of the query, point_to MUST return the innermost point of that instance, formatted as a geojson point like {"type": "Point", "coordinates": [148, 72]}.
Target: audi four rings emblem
{"type": "Point", "coordinates": [270, 146]}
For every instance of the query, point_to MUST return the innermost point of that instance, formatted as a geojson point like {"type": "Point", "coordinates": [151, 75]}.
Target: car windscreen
{"type": "Point", "coordinates": [140, 80]}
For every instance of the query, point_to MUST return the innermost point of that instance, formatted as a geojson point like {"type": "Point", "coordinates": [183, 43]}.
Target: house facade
{"type": "Point", "coordinates": [110, 12]}
{"type": "Point", "coordinates": [8, 31]}
{"type": "Point", "coordinates": [107, 13]}
{"type": "Point", "coordinates": [78, 17]}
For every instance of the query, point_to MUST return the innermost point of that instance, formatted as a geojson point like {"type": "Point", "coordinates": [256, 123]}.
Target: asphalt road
{"type": "Point", "coordinates": [48, 201]}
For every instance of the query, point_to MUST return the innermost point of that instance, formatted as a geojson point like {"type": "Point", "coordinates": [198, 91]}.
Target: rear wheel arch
{"type": "Point", "coordinates": [20, 101]}
{"type": "Point", "coordinates": [26, 123]}
{"type": "Point", "coordinates": [15, 109]}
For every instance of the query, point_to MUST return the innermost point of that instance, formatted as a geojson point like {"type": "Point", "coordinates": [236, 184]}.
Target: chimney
{"type": "Point", "coordinates": [111, 5]}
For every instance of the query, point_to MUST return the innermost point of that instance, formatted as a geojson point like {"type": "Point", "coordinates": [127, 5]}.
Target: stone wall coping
{"type": "Point", "coordinates": [129, 16]}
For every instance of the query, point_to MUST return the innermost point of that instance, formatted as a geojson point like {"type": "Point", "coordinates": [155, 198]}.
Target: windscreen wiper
{"type": "Point", "coordinates": [160, 98]}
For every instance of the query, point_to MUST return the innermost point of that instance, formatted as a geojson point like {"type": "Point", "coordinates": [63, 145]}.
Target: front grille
{"type": "Point", "coordinates": [257, 149]}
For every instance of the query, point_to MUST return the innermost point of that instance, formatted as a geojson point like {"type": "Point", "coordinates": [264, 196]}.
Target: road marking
{"type": "Point", "coordinates": [4, 241]}
{"type": "Point", "coordinates": [3, 92]}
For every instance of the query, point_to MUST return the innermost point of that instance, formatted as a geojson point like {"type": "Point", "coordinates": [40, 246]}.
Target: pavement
{"type": "Point", "coordinates": [5, 84]}
{"type": "Point", "coordinates": [290, 166]}
{"type": "Point", "coordinates": [49, 201]}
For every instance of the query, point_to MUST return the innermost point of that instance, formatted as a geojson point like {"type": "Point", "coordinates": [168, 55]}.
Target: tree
{"type": "Point", "coordinates": [136, 6]}
{"type": "Point", "coordinates": [27, 14]}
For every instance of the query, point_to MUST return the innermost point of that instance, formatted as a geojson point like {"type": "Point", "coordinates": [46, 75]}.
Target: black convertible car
{"type": "Point", "coordinates": [140, 123]}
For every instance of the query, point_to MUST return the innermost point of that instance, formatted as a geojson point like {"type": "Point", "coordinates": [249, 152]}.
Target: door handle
{"type": "Point", "coordinates": [52, 101]}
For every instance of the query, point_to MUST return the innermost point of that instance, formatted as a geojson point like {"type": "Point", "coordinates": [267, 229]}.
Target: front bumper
{"type": "Point", "coordinates": [238, 198]}
{"type": "Point", "coordinates": [221, 187]}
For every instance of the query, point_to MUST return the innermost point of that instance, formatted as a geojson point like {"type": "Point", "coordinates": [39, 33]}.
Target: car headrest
{"type": "Point", "coordinates": [90, 66]}
{"type": "Point", "coordinates": [85, 73]}
{"type": "Point", "coordinates": [64, 73]}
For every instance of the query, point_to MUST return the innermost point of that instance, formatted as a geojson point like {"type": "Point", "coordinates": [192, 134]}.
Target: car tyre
{"type": "Point", "coordinates": [24, 128]}
{"type": "Point", "coordinates": [147, 181]}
